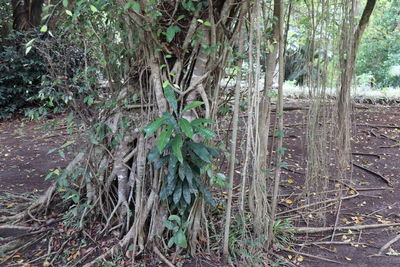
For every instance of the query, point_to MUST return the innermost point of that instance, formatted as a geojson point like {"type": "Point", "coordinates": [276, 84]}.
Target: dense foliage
{"type": "Point", "coordinates": [21, 76]}
{"type": "Point", "coordinates": [379, 56]}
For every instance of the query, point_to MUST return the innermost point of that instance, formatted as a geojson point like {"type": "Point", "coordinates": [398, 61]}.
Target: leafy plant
{"type": "Point", "coordinates": [177, 227]}
{"type": "Point", "coordinates": [284, 232]}
{"type": "Point", "coordinates": [185, 159]}
{"type": "Point", "coordinates": [21, 76]}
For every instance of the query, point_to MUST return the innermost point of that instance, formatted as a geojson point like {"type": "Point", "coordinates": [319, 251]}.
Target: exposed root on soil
{"type": "Point", "coordinates": [162, 257]}
{"type": "Point", "coordinates": [389, 183]}
{"type": "Point", "coordinates": [9, 249]}
{"type": "Point", "coordinates": [312, 230]}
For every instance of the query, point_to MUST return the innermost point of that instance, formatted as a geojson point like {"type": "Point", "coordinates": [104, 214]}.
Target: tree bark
{"type": "Point", "coordinates": [344, 119]}
{"type": "Point", "coordinates": [26, 14]}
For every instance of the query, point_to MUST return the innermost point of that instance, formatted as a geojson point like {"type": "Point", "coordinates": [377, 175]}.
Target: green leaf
{"type": "Point", "coordinates": [207, 23]}
{"type": "Point", "coordinates": [93, 140]}
{"type": "Point", "coordinates": [171, 242]}
{"type": "Point", "coordinates": [164, 137]}
{"type": "Point", "coordinates": [213, 152]}
{"type": "Point", "coordinates": [133, 4]}
{"type": "Point", "coordinates": [61, 153]}
{"type": "Point", "coordinates": [177, 193]}
{"type": "Point", "coordinates": [94, 9]}
{"type": "Point", "coordinates": [281, 150]}
{"type": "Point", "coordinates": [186, 193]}
{"type": "Point", "coordinates": [186, 127]}
{"type": "Point", "coordinates": [172, 165]}
{"type": "Point", "coordinates": [28, 49]}
{"type": "Point", "coordinates": [208, 197]}
{"type": "Point", "coordinates": [168, 224]}
{"type": "Point", "coordinates": [198, 122]}
{"type": "Point", "coordinates": [180, 239]}
{"type": "Point", "coordinates": [43, 28]}
{"type": "Point", "coordinates": [192, 105]}
{"type": "Point", "coordinates": [171, 31]}
{"type": "Point", "coordinates": [68, 143]}
{"type": "Point", "coordinates": [201, 151]}
{"type": "Point", "coordinates": [196, 160]}
{"type": "Point", "coordinates": [28, 44]}
{"type": "Point", "coordinates": [69, 13]}
{"type": "Point", "coordinates": [175, 218]}
{"type": "Point", "coordinates": [206, 132]}
{"type": "Point", "coordinates": [163, 193]}
{"type": "Point", "coordinates": [153, 155]}
{"type": "Point", "coordinates": [181, 172]}
{"type": "Point", "coordinates": [172, 121]}
{"type": "Point", "coordinates": [188, 173]}
{"type": "Point", "coordinates": [170, 96]}
{"type": "Point", "coordinates": [283, 164]}
{"type": "Point", "coordinates": [65, 3]}
{"type": "Point", "coordinates": [177, 147]}
{"type": "Point", "coordinates": [151, 128]}
{"type": "Point", "coordinates": [280, 133]}
{"type": "Point", "coordinates": [161, 162]}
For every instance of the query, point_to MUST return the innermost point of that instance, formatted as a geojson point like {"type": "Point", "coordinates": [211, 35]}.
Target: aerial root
{"type": "Point", "coordinates": [162, 257]}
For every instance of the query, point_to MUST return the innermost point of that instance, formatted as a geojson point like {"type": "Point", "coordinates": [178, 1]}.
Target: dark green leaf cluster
{"type": "Point", "coordinates": [184, 159]}
{"type": "Point", "coordinates": [20, 76]}
{"type": "Point", "coordinates": [379, 54]}
{"type": "Point", "coordinates": [177, 227]}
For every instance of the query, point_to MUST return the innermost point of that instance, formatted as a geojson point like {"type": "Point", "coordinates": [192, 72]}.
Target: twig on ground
{"type": "Point", "coordinates": [387, 245]}
{"type": "Point", "coordinates": [396, 145]}
{"type": "Point", "coordinates": [60, 250]}
{"type": "Point", "coordinates": [311, 230]}
{"type": "Point", "coordinates": [317, 203]}
{"type": "Point", "coordinates": [331, 243]}
{"type": "Point", "coordinates": [310, 255]}
{"type": "Point", "coordinates": [373, 188]}
{"type": "Point", "coordinates": [366, 154]}
{"type": "Point", "coordinates": [378, 125]}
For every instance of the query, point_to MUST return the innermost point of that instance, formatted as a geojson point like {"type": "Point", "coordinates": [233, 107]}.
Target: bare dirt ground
{"type": "Point", "coordinates": [372, 196]}
{"type": "Point", "coordinates": [24, 158]}
{"type": "Point", "coordinates": [375, 185]}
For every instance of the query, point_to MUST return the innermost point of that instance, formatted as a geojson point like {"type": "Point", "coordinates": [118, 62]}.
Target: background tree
{"type": "Point", "coordinates": [379, 55]}
{"type": "Point", "coordinates": [350, 43]}
{"type": "Point", "coordinates": [27, 14]}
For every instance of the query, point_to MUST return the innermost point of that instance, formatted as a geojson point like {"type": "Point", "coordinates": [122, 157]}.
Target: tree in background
{"type": "Point", "coordinates": [379, 54]}
{"type": "Point", "coordinates": [26, 14]}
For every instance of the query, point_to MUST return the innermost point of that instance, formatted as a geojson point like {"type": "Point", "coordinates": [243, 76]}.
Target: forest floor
{"type": "Point", "coordinates": [371, 197]}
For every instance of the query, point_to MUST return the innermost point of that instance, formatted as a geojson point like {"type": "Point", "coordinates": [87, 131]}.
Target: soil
{"type": "Point", "coordinates": [24, 157]}
{"type": "Point", "coordinates": [25, 162]}
{"type": "Point", "coordinates": [374, 177]}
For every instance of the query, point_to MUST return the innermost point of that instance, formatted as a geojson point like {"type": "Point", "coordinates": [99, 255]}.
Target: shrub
{"type": "Point", "coordinates": [20, 76]}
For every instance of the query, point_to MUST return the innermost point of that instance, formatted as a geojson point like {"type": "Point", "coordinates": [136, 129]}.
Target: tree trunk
{"type": "Point", "coordinates": [26, 14]}
{"type": "Point", "coordinates": [124, 182]}
{"type": "Point", "coordinates": [347, 65]}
